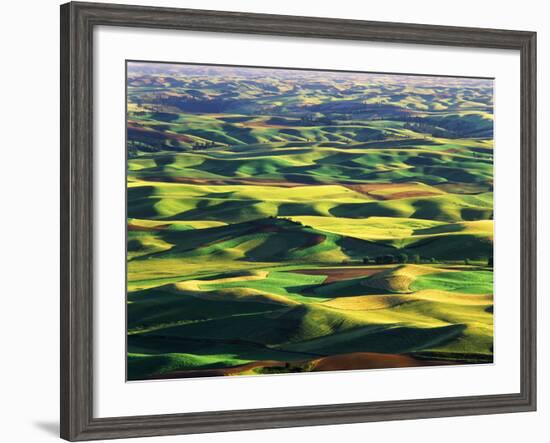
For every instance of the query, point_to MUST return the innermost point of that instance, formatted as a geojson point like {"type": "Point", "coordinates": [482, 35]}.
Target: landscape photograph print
{"type": "Point", "coordinates": [291, 221]}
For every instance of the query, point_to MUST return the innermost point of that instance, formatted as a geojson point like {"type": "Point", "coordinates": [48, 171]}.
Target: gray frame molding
{"type": "Point", "coordinates": [77, 24]}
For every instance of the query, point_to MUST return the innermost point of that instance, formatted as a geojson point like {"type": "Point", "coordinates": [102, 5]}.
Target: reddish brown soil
{"type": "Point", "coordinates": [313, 240]}
{"type": "Point", "coordinates": [369, 360]}
{"type": "Point", "coordinates": [337, 274]}
{"type": "Point", "coordinates": [408, 194]}
{"type": "Point", "coordinates": [134, 125]}
{"type": "Point", "coordinates": [369, 188]}
{"type": "Point", "coordinates": [182, 137]}
{"type": "Point", "coordinates": [343, 362]}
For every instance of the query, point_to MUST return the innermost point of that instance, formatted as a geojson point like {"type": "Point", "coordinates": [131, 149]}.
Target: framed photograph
{"type": "Point", "coordinates": [273, 221]}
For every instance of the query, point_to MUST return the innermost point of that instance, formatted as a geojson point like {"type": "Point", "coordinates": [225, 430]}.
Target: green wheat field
{"type": "Point", "coordinates": [284, 221]}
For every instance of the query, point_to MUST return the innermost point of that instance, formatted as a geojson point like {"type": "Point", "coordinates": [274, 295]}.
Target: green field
{"type": "Point", "coordinates": [295, 221]}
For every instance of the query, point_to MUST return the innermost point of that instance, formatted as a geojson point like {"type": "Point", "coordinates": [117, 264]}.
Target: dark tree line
{"type": "Point", "coordinates": [197, 146]}
{"type": "Point", "coordinates": [389, 259]}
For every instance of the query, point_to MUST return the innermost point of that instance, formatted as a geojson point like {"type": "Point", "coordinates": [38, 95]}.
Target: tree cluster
{"type": "Point", "coordinates": [389, 259]}
{"type": "Point", "coordinates": [198, 146]}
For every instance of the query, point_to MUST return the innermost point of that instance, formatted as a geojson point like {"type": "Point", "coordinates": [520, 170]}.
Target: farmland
{"type": "Point", "coordinates": [294, 221]}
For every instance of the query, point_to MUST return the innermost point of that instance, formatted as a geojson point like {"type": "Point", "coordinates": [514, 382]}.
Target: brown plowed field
{"type": "Point", "coordinates": [406, 191]}
{"type": "Point", "coordinates": [337, 274]}
{"type": "Point", "coordinates": [343, 362]}
{"type": "Point", "coordinates": [369, 360]}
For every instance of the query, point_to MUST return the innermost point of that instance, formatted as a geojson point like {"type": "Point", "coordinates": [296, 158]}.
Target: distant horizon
{"type": "Point", "coordinates": [201, 69]}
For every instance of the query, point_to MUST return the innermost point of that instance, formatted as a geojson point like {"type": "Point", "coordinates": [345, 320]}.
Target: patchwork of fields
{"type": "Point", "coordinates": [293, 221]}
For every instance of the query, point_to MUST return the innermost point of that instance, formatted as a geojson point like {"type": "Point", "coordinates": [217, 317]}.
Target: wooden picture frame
{"type": "Point", "coordinates": [77, 23]}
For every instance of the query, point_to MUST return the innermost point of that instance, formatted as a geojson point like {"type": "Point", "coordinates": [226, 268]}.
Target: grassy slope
{"type": "Point", "coordinates": [415, 320]}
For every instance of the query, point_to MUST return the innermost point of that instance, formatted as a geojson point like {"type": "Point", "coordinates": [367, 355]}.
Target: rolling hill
{"type": "Point", "coordinates": [287, 221]}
